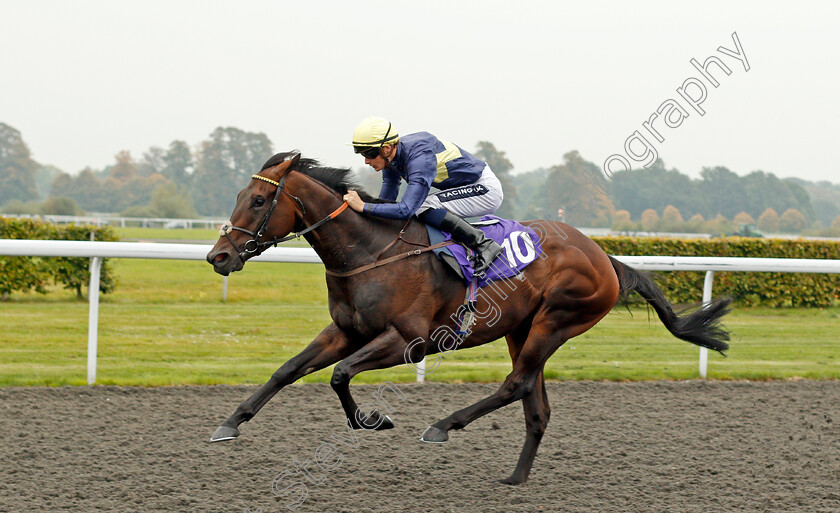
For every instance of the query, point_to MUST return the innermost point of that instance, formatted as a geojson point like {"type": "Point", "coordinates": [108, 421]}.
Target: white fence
{"type": "Point", "coordinates": [99, 250]}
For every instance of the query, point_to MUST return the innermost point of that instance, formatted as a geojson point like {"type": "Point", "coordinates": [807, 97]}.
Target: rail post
{"type": "Point", "coordinates": [421, 370]}
{"type": "Point", "coordinates": [707, 299]}
{"type": "Point", "coordinates": [93, 317]}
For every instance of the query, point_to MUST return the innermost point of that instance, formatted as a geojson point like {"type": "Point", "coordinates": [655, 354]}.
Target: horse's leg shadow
{"type": "Point", "coordinates": [330, 346]}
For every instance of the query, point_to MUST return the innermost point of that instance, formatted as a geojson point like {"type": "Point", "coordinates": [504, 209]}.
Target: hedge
{"type": "Point", "coordinates": [747, 289]}
{"type": "Point", "coordinates": [20, 274]}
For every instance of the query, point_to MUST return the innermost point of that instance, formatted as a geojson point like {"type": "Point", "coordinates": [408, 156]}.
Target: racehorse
{"type": "Point", "coordinates": [385, 293]}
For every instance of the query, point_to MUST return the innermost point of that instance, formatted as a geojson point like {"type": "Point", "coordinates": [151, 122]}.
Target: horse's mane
{"type": "Point", "coordinates": [338, 179]}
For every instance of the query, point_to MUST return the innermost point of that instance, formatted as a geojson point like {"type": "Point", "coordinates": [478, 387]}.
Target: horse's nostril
{"type": "Point", "coordinates": [221, 257]}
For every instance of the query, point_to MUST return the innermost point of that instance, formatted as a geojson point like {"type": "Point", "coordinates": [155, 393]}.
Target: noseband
{"type": "Point", "coordinates": [254, 245]}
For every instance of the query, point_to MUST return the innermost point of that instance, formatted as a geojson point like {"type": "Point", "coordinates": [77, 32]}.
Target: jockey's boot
{"type": "Point", "coordinates": [486, 250]}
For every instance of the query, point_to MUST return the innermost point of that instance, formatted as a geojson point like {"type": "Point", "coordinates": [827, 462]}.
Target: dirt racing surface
{"type": "Point", "coordinates": [652, 447]}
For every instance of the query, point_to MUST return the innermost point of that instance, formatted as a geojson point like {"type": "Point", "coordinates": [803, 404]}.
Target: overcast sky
{"type": "Point", "coordinates": [83, 80]}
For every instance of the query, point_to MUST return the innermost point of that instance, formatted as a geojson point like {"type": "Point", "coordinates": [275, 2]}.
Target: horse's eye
{"type": "Point", "coordinates": [259, 201]}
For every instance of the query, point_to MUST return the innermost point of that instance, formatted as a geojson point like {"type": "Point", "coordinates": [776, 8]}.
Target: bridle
{"type": "Point", "coordinates": [255, 246]}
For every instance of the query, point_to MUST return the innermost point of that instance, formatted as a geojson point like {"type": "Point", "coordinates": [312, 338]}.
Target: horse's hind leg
{"type": "Point", "coordinates": [573, 300]}
{"type": "Point", "coordinates": [330, 346]}
{"type": "Point", "coordinates": [549, 331]}
{"type": "Point", "coordinates": [519, 384]}
{"type": "Point", "coordinates": [537, 413]}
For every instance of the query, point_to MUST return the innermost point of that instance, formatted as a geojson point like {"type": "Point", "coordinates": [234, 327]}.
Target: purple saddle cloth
{"type": "Point", "coordinates": [521, 247]}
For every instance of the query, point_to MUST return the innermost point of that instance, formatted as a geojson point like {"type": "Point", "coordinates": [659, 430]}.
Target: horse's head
{"type": "Point", "coordinates": [264, 212]}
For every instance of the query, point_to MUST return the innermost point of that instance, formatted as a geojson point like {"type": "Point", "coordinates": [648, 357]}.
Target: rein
{"type": "Point", "coordinates": [380, 263]}
{"type": "Point", "coordinates": [251, 247]}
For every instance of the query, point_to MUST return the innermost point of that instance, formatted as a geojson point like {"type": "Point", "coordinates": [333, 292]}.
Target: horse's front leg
{"type": "Point", "coordinates": [386, 350]}
{"type": "Point", "coordinates": [330, 346]}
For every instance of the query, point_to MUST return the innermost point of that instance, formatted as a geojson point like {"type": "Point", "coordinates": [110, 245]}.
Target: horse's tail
{"type": "Point", "coordinates": [701, 327]}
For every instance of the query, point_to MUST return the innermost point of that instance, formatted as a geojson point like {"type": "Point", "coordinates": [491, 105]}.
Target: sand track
{"type": "Point", "coordinates": [655, 446]}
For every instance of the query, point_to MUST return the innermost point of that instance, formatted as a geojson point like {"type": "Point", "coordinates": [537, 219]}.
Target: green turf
{"type": "Point", "coordinates": [166, 324]}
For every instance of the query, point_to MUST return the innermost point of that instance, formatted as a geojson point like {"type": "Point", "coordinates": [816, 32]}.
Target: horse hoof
{"type": "Point", "coordinates": [224, 433]}
{"type": "Point", "coordinates": [373, 422]}
{"type": "Point", "coordinates": [512, 481]}
{"type": "Point", "coordinates": [433, 435]}
{"type": "Point", "coordinates": [387, 423]}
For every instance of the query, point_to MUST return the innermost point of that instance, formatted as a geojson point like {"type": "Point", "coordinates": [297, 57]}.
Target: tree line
{"type": "Point", "coordinates": [184, 181]}
{"type": "Point", "coordinates": [177, 181]}
{"type": "Point", "coordinates": [660, 199]}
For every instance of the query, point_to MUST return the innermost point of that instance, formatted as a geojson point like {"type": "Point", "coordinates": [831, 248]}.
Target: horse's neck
{"type": "Point", "coordinates": [350, 240]}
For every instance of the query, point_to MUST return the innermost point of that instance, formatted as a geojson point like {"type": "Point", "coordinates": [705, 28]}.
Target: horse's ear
{"type": "Point", "coordinates": [287, 165]}
{"type": "Point", "coordinates": [294, 161]}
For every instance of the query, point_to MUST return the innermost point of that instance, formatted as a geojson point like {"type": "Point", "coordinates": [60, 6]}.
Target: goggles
{"type": "Point", "coordinates": [367, 152]}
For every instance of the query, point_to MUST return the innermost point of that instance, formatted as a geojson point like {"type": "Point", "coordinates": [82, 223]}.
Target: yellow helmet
{"type": "Point", "coordinates": [373, 132]}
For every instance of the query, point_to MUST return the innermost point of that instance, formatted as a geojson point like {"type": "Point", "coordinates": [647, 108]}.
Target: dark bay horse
{"type": "Point", "coordinates": [377, 314]}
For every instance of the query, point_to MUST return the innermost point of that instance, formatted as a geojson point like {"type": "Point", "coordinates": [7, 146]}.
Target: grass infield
{"type": "Point", "coordinates": [167, 325]}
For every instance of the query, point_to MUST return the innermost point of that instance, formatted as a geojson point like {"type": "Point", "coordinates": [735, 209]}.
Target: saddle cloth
{"type": "Point", "coordinates": [521, 247]}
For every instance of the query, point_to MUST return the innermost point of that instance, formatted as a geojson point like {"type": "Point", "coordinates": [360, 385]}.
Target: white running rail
{"type": "Point", "coordinates": [99, 250]}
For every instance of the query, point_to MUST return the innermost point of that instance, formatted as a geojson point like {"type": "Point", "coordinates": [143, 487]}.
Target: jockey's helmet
{"type": "Point", "coordinates": [373, 132]}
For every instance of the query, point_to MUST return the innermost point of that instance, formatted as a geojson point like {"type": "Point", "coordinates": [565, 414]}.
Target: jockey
{"type": "Point", "coordinates": [466, 185]}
